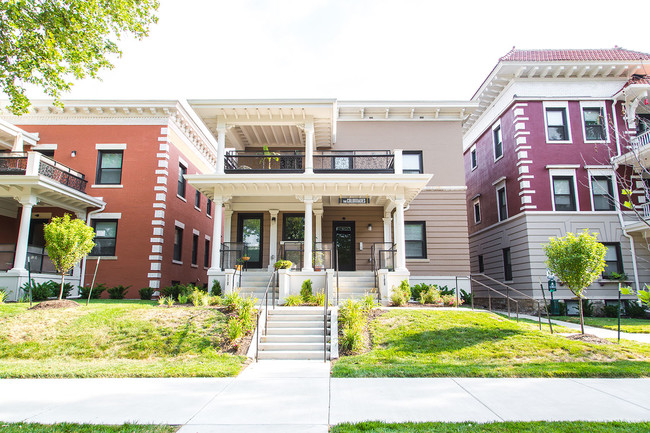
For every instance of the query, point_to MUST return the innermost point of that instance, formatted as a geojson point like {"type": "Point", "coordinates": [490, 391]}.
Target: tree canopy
{"type": "Point", "coordinates": [48, 43]}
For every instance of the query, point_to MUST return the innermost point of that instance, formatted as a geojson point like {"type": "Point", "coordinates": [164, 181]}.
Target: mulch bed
{"type": "Point", "coordinates": [50, 305]}
{"type": "Point", "coordinates": [588, 338]}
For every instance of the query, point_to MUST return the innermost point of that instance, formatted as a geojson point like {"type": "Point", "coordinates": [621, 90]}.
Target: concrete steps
{"type": "Point", "coordinates": [295, 333]}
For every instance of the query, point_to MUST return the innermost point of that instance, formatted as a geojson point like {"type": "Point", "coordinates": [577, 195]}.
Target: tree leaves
{"type": "Point", "coordinates": [67, 241]}
{"type": "Point", "coordinates": [48, 43]}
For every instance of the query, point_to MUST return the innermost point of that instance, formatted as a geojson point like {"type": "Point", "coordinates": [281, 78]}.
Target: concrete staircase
{"type": "Point", "coordinates": [253, 283]}
{"type": "Point", "coordinates": [354, 285]}
{"type": "Point", "coordinates": [295, 333]}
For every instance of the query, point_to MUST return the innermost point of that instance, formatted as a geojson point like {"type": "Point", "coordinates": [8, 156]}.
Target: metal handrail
{"type": "Point", "coordinates": [337, 274]}
{"type": "Point", "coordinates": [327, 300]}
{"type": "Point", "coordinates": [490, 298]}
{"type": "Point", "coordinates": [265, 300]}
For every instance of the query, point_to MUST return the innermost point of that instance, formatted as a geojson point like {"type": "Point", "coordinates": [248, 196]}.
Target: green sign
{"type": "Point", "coordinates": [552, 285]}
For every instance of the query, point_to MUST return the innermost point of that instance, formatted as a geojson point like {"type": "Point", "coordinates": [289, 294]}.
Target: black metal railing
{"type": "Point", "coordinates": [382, 256]}
{"type": "Point", "coordinates": [260, 162]}
{"type": "Point", "coordinates": [231, 254]}
{"type": "Point", "coordinates": [265, 301]}
{"type": "Point", "coordinates": [368, 161]}
{"type": "Point", "coordinates": [62, 174]}
{"type": "Point", "coordinates": [322, 255]}
{"type": "Point", "coordinates": [294, 251]}
{"type": "Point", "coordinates": [325, 317]}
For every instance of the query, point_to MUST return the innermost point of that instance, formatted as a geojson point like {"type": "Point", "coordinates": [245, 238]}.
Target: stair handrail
{"type": "Point", "coordinates": [265, 301]}
{"type": "Point", "coordinates": [337, 274]}
{"type": "Point", "coordinates": [490, 298]}
{"type": "Point", "coordinates": [327, 300]}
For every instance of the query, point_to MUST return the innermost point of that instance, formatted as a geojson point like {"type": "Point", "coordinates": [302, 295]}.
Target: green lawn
{"type": "Point", "coordinates": [84, 428]}
{"type": "Point", "coordinates": [627, 325]}
{"type": "Point", "coordinates": [114, 339]}
{"type": "Point", "coordinates": [429, 343]}
{"type": "Point", "coordinates": [499, 427]}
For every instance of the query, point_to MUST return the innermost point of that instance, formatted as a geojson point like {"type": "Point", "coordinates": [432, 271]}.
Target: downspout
{"type": "Point", "coordinates": [83, 263]}
{"type": "Point", "coordinates": [618, 139]}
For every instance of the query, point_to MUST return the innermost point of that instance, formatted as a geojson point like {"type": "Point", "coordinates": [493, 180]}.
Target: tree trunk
{"type": "Point", "coordinates": [61, 292]}
{"type": "Point", "coordinates": [582, 319]}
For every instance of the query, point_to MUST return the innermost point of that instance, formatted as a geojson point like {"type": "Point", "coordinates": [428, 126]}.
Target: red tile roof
{"type": "Point", "coordinates": [611, 54]}
{"type": "Point", "coordinates": [638, 79]}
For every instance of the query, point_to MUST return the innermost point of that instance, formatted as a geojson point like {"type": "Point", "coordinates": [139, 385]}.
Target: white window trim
{"type": "Point", "coordinates": [179, 224]}
{"type": "Point", "coordinates": [107, 216]}
{"type": "Point", "coordinates": [471, 161]}
{"type": "Point", "coordinates": [558, 104]}
{"type": "Point", "coordinates": [45, 146]}
{"type": "Point", "coordinates": [477, 201]}
{"type": "Point", "coordinates": [182, 162]}
{"type": "Point", "coordinates": [110, 146]}
{"type": "Point", "coordinates": [594, 104]}
{"type": "Point", "coordinates": [566, 172]}
{"type": "Point", "coordinates": [497, 187]}
{"type": "Point", "coordinates": [602, 172]}
{"type": "Point", "coordinates": [496, 125]}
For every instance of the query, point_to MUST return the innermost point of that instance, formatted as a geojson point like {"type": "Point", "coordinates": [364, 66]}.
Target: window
{"type": "Point", "coordinates": [481, 265]}
{"type": "Point", "coordinates": [182, 171]}
{"type": "Point", "coordinates": [195, 249]}
{"type": "Point", "coordinates": [411, 162]}
{"type": "Point", "coordinates": [208, 207]}
{"type": "Point", "coordinates": [474, 158]}
{"type": "Point", "coordinates": [206, 254]}
{"type": "Point", "coordinates": [498, 142]}
{"type": "Point", "coordinates": [197, 199]}
{"type": "Point", "coordinates": [594, 123]}
{"type": "Point", "coordinates": [556, 124]}
{"type": "Point", "coordinates": [109, 167]}
{"type": "Point", "coordinates": [477, 211]}
{"type": "Point", "coordinates": [105, 237]}
{"type": "Point", "coordinates": [602, 192]}
{"type": "Point", "coordinates": [293, 227]}
{"type": "Point", "coordinates": [507, 265]}
{"type": "Point", "coordinates": [416, 240]}
{"type": "Point", "coordinates": [564, 197]}
{"type": "Point", "coordinates": [502, 203]}
{"type": "Point", "coordinates": [178, 244]}
{"type": "Point", "coordinates": [613, 261]}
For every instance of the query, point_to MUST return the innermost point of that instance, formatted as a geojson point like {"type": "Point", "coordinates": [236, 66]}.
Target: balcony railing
{"type": "Point", "coordinates": [34, 164]}
{"type": "Point", "coordinates": [257, 162]}
{"type": "Point", "coordinates": [642, 140]}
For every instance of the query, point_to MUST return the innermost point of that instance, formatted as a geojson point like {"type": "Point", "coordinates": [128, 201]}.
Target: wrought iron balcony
{"type": "Point", "coordinates": [259, 162]}
{"type": "Point", "coordinates": [34, 164]}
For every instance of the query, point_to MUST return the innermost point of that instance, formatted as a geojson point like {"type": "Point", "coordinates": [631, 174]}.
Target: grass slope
{"type": "Point", "coordinates": [113, 339]}
{"type": "Point", "coordinates": [627, 325]}
{"type": "Point", "coordinates": [84, 428]}
{"type": "Point", "coordinates": [429, 343]}
{"type": "Point", "coordinates": [499, 427]}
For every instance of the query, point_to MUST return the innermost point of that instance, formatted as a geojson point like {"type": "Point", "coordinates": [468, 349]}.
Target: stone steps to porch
{"type": "Point", "coordinates": [295, 333]}
{"type": "Point", "coordinates": [355, 285]}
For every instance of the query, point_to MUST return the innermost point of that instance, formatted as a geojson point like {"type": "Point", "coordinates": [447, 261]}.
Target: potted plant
{"type": "Point", "coordinates": [319, 261]}
{"type": "Point", "coordinates": [282, 264]}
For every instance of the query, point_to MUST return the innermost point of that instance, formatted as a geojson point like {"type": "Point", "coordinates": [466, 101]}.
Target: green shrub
{"type": "Point", "coordinates": [96, 293]}
{"type": "Point", "coordinates": [196, 298]}
{"type": "Point", "coordinates": [183, 299]}
{"type": "Point", "coordinates": [215, 300]}
{"type": "Point", "coordinates": [610, 310]}
{"type": "Point", "coordinates": [146, 293]}
{"type": "Point", "coordinates": [417, 289]}
{"type": "Point", "coordinates": [176, 290]}
{"type": "Point", "coordinates": [430, 296]}
{"type": "Point", "coordinates": [247, 313]}
{"type": "Point", "coordinates": [169, 301]}
{"type": "Point", "coordinates": [587, 308]}
{"type": "Point", "coordinates": [397, 298]}
{"type": "Point", "coordinates": [118, 291]}
{"type": "Point", "coordinates": [444, 290]}
{"type": "Point", "coordinates": [635, 311]}
{"type": "Point", "coordinates": [216, 288]}
{"type": "Point", "coordinates": [231, 301]}
{"type": "Point", "coordinates": [352, 320]}
{"type": "Point", "coordinates": [406, 288]}
{"type": "Point", "coordinates": [319, 299]}
{"type": "Point", "coordinates": [466, 297]}
{"type": "Point", "coordinates": [234, 329]}
{"type": "Point", "coordinates": [306, 292]}
{"type": "Point", "coordinates": [293, 300]}
{"type": "Point", "coordinates": [3, 295]}
{"type": "Point", "coordinates": [368, 302]}
{"type": "Point", "coordinates": [282, 264]}
{"type": "Point", "coordinates": [449, 300]}
{"type": "Point", "coordinates": [352, 339]}
{"type": "Point", "coordinates": [42, 291]}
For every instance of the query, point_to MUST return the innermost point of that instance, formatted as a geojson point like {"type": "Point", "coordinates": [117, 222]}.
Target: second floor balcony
{"type": "Point", "coordinates": [36, 164]}
{"type": "Point", "coordinates": [353, 161]}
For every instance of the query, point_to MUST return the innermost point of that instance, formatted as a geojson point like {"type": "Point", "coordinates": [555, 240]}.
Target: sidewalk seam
{"type": "Point", "coordinates": [477, 399]}
{"type": "Point", "coordinates": [211, 400]}
{"type": "Point", "coordinates": [577, 380]}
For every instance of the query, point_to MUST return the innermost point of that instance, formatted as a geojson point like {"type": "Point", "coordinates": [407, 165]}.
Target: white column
{"type": "Point", "coordinates": [399, 161]}
{"type": "Point", "coordinates": [221, 146]}
{"type": "Point", "coordinates": [227, 223]}
{"type": "Point", "coordinates": [307, 265]}
{"type": "Point", "coordinates": [216, 234]}
{"type": "Point", "coordinates": [309, 147]}
{"type": "Point", "coordinates": [18, 143]}
{"type": "Point", "coordinates": [273, 238]}
{"type": "Point", "coordinates": [400, 241]}
{"type": "Point", "coordinates": [388, 238]}
{"type": "Point", "coordinates": [23, 233]}
{"type": "Point", "coordinates": [318, 220]}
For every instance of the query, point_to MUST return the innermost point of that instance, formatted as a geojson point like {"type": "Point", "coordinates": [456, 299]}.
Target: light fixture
{"type": "Point", "coordinates": [73, 153]}
{"type": "Point", "coordinates": [273, 219]}
{"type": "Point", "coordinates": [369, 227]}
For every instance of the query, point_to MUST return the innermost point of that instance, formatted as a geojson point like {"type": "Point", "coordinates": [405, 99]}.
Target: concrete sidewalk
{"type": "Point", "coordinates": [299, 396]}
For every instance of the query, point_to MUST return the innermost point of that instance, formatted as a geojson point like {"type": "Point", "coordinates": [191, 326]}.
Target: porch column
{"type": "Point", "coordinates": [318, 214]}
{"type": "Point", "coordinates": [216, 234]}
{"type": "Point", "coordinates": [221, 146]}
{"type": "Point", "coordinates": [18, 143]}
{"type": "Point", "coordinates": [400, 241]}
{"type": "Point", "coordinates": [308, 238]}
{"type": "Point", "coordinates": [273, 238]}
{"type": "Point", "coordinates": [309, 147]}
{"type": "Point", "coordinates": [388, 238]}
{"type": "Point", "coordinates": [227, 222]}
{"type": "Point", "coordinates": [20, 259]}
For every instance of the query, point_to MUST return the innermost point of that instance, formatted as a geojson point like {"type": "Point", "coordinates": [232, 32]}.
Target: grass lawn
{"type": "Point", "coordinates": [430, 343]}
{"type": "Point", "coordinates": [627, 325]}
{"type": "Point", "coordinates": [113, 339]}
{"type": "Point", "coordinates": [84, 428]}
{"type": "Point", "coordinates": [499, 427]}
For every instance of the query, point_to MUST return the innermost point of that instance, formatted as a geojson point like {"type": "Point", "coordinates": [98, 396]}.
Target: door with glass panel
{"type": "Point", "coordinates": [249, 232]}
{"type": "Point", "coordinates": [344, 242]}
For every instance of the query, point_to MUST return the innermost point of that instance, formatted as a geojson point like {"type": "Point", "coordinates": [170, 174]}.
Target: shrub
{"type": "Point", "coordinates": [563, 308]}
{"type": "Point", "coordinates": [234, 329]}
{"type": "Point", "coordinates": [351, 339]}
{"type": "Point", "coordinates": [231, 301]}
{"type": "Point", "coordinates": [196, 298]}
{"type": "Point", "coordinates": [610, 310]}
{"type": "Point", "coordinates": [368, 302]}
{"type": "Point", "coordinates": [215, 300]}
{"type": "Point", "coordinates": [146, 293]}
{"type": "Point", "coordinates": [247, 313]}
{"type": "Point", "coordinates": [169, 301]}
{"type": "Point", "coordinates": [465, 297]}
{"type": "Point", "coordinates": [430, 296]}
{"type": "Point", "coordinates": [419, 288]}
{"type": "Point", "coordinates": [282, 264]}
{"type": "Point", "coordinates": [117, 292]}
{"type": "Point", "coordinates": [41, 291]}
{"type": "Point", "coordinates": [319, 299]}
{"type": "Point", "coordinates": [162, 300]}
{"type": "Point", "coordinates": [398, 298]}
{"type": "Point", "coordinates": [449, 300]}
{"type": "Point", "coordinates": [216, 288]}
{"type": "Point", "coordinates": [176, 290]}
{"type": "Point", "coordinates": [635, 310]}
{"type": "Point", "coordinates": [183, 299]}
{"type": "Point", "coordinates": [96, 293]}
{"type": "Point", "coordinates": [352, 319]}
{"type": "Point", "coordinates": [293, 300]}
{"type": "Point", "coordinates": [3, 295]}
{"type": "Point", "coordinates": [444, 290]}
{"type": "Point", "coordinates": [587, 308]}
{"type": "Point", "coordinates": [306, 292]}
{"type": "Point", "coordinates": [406, 288]}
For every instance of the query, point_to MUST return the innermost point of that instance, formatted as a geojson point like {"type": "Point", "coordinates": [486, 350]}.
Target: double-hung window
{"type": "Point", "coordinates": [182, 171]}
{"type": "Point", "coordinates": [178, 244]}
{"type": "Point", "coordinates": [502, 203]}
{"type": "Point", "coordinates": [564, 196]}
{"type": "Point", "coordinates": [498, 142]}
{"type": "Point", "coordinates": [197, 200]}
{"type": "Point", "coordinates": [556, 124]}
{"type": "Point", "coordinates": [208, 207]}
{"type": "Point", "coordinates": [412, 162]}
{"type": "Point", "coordinates": [195, 249]}
{"type": "Point", "coordinates": [613, 260]}
{"type": "Point", "coordinates": [602, 192]}
{"type": "Point", "coordinates": [477, 211]}
{"type": "Point", "coordinates": [507, 264]}
{"type": "Point", "coordinates": [105, 237]}
{"type": "Point", "coordinates": [109, 167]}
{"type": "Point", "coordinates": [594, 123]}
{"type": "Point", "coordinates": [473, 158]}
{"type": "Point", "coordinates": [416, 239]}
{"type": "Point", "coordinates": [206, 254]}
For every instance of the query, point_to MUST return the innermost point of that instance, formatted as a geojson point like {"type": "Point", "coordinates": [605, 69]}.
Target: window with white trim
{"type": "Point", "coordinates": [182, 171]}
{"type": "Point", "coordinates": [195, 249]}
{"type": "Point", "coordinates": [502, 202]}
{"type": "Point", "coordinates": [557, 122]}
{"type": "Point", "coordinates": [109, 167]}
{"type": "Point", "coordinates": [178, 244]}
{"type": "Point", "coordinates": [564, 194]}
{"type": "Point", "coordinates": [415, 239]}
{"type": "Point", "coordinates": [105, 237]}
{"type": "Point", "coordinates": [498, 142]}
{"type": "Point", "coordinates": [613, 260]}
{"type": "Point", "coordinates": [412, 162]}
{"type": "Point", "coordinates": [593, 119]}
{"type": "Point", "coordinates": [602, 193]}
{"type": "Point", "coordinates": [477, 211]}
{"type": "Point", "coordinates": [473, 157]}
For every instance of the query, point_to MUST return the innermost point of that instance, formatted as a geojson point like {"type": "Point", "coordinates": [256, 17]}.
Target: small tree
{"type": "Point", "coordinates": [577, 261]}
{"type": "Point", "coordinates": [67, 242]}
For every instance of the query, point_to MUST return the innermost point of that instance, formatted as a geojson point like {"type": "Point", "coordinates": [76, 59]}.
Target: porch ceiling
{"type": "Point", "coordinates": [407, 186]}
{"type": "Point", "coordinates": [48, 192]}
